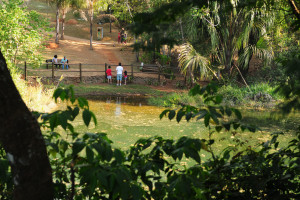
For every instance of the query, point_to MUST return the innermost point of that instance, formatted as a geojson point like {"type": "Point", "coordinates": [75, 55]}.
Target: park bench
{"type": "Point", "coordinates": [56, 65]}
{"type": "Point", "coordinates": [150, 68]}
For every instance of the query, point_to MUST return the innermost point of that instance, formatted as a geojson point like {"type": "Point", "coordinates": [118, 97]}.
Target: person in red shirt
{"type": "Point", "coordinates": [125, 76]}
{"type": "Point", "coordinates": [119, 37]}
{"type": "Point", "coordinates": [108, 74]}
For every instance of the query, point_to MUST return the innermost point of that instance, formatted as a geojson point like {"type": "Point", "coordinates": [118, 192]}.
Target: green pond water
{"type": "Point", "coordinates": [126, 120]}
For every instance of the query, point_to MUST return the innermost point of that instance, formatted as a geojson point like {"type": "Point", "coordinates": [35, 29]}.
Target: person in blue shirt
{"type": "Point", "coordinates": [64, 62]}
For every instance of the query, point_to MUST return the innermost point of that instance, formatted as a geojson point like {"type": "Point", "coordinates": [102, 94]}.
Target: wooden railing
{"type": "Point", "coordinates": [81, 69]}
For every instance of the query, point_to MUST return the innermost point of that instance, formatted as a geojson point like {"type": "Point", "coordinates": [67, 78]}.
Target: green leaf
{"type": "Point", "coordinates": [236, 126]}
{"type": "Point", "coordinates": [214, 116]}
{"type": "Point", "coordinates": [202, 114]}
{"type": "Point", "coordinates": [206, 120]}
{"type": "Point", "coordinates": [82, 102]}
{"type": "Point", "coordinates": [89, 154]}
{"type": "Point", "coordinates": [75, 112]}
{"type": "Point", "coordinates": [63, 119]}
{"type": "Point", "coordinates": [179, 115]}
{"type": "Point", "coordinates": [219, 128]}
{"type": "Point", "coordinates": [119, 155]}
{"type": "Point", "coordinates": [171, 114]}
{"type": "Point", "coordinates": [227, 126]}
{"type": "Point", "coordinates": [237, 113]}
{"type": "Point", "coordinates": [94, 118]}
{"type": "Point", "coordinates": [164, 113]}
{"type": "Point", "coordinates": [251, 129]}
{"type": "Point", "coordinates": [228, 111]}
{"type": "Point", "coordinates": [86, 115]}
{"type": "Point", "coordinates": [53, 121]}
{"type": "Point", "coordinates": [57, 93]}
{"type": "Point", "coordinates": [188, 116]}
{"type": "Point", "coordinates": [77, 147]}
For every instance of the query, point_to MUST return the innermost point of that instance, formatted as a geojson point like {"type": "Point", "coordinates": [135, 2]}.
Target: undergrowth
{"type": "Point", "coordinates": [36, 97]}
{"type": "Point", "coordinates": [261, 95]}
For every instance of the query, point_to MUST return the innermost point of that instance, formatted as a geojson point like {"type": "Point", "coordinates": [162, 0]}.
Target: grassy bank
{"type": "Point", "coordinates": [114, 90]}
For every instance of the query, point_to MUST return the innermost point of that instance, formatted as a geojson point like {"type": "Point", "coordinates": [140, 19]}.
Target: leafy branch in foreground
{"type": "Point", "coordinates": [86, 165]}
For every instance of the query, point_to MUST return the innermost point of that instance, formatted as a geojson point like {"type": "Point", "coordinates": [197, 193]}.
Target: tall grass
{"type": "Point", "coordinates": [256, 93]}
{"type": "Point", "coordinates": [36, 97]}
{"type": "Point", "coordinates": [173, 99]}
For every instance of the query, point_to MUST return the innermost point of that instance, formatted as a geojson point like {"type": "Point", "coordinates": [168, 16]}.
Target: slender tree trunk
{"type": "Point", "coordinates": [63, 24]}
{"type": "Point", "coordinates": [57, 26]}
{"type": "Point", "coordinates": [21, 137]}
{"type": "Point", "coordinates": [295, 9]}
{"type": "Point", "coordinates": [91, 24]}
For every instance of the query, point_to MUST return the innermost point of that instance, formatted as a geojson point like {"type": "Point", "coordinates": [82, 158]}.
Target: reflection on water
{"type": "Point", "coordinates": [118, 106]}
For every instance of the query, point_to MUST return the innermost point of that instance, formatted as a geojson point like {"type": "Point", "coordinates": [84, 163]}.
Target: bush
{"type": "Point", "coordinates": [234, 95]}
{"type": "Point", "coordinates": [174, 100]}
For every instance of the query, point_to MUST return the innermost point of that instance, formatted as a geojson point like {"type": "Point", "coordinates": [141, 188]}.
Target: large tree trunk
{"type": "Point", "coordinates": [22, 140]}
{"type": "Point", "coordinates": [57, 26]}
{"type": "Point", "coordinates": [63, 24]}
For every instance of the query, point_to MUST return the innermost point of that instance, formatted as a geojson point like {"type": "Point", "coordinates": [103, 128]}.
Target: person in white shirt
{"type": "Point", "coordinates": [119, 71]}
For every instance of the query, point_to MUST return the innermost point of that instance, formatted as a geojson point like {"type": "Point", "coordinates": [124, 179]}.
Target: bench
{"type": "Point", "coordinates": [150, 68]}
{"type": "Point", "coordinates": [56, 65]}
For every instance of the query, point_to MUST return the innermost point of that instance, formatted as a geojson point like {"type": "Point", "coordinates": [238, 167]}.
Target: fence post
{"type": "Point", "coordinates": [158, 74]}
{"type": "Point", "coordinates": [25, 71]}
{"type": "Point", "coordinates": [80, 72]}
{"type": "Point", "coordinates": [52, 71]}
{"type": "Point", "coordinates": [131, 70]}
{"type": "Point", "coordinates": [105, 72]}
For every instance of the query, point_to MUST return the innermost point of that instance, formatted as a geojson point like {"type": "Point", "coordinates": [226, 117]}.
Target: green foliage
{"type": "Point", "coordinates": [259, 94]}
{"type": "Point", "coordinates": [290, 88]}
{"type": "Point", "coordinates": [85, 165]}
{"type": "Point", "coordinates": [174, 99]}
{"type": "Point", "coordinates": [6, 182]}
{"type": "Point", "coordinates": [20, 32]}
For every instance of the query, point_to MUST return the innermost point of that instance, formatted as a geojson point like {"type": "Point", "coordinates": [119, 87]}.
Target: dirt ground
{"type": "Point", "coordinates": [77, 50]}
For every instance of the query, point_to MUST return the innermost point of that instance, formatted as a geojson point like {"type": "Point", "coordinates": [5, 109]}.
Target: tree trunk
{"type": "Point", "coordinates": [22, 140]}
{"type": "Point", "coordinates": [91, 25]}
{"type": "Point", "coordinates": [294, 8]}
{"type": "Point", "coordinates": [57, 26]}
{"type": "Point", "coordinates": [63, 24]}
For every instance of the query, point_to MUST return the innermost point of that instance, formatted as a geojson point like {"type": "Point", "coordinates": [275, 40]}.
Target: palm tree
{"type": "Point", "coordinates": [230, 27]}
{"type": "Point", "coordinates": [191, 61]}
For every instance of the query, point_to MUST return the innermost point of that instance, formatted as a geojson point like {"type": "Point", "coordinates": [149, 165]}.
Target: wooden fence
{"type": "Point", "coordinates": [83, 69]}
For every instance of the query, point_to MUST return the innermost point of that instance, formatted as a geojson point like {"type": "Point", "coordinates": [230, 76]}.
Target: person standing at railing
{"type": "Point", "coordinates": [119, 71]}
{"type": "Point", "coordinates": [64, 62]}
{"type": "Point", "coordinates": [108, 74]}
{"type": "Point", "coordinates": [125, 77]}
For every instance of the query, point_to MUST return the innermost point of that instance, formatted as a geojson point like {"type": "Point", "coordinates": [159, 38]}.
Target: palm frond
{"type": "Point", "coordinates": [189, 58]}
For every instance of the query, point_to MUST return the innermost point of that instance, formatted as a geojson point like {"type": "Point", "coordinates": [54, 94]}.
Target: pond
{"type": "Point", "coordinates": [125, 120]}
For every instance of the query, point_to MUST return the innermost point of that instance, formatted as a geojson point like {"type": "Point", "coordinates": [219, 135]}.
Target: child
{"type": "Point", "coordinates": [108, 73]}
{"type": "Point", "coordinates": [119, 37]}
{"type": "Point", "coordinates": [125, 77]}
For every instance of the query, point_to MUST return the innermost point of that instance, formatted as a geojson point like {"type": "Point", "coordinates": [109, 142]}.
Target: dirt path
{"type": "Point", "coordinates": [78, 51]}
